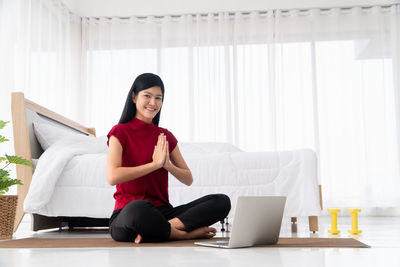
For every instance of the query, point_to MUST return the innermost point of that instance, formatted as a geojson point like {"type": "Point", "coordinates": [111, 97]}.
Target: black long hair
{"type": "Point", "coordinates": [142, 82]}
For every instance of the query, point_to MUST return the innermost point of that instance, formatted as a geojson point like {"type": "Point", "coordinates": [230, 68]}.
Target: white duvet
{"type": "Point", "coordinates": [64, 185]}
{"type": "Point", "coordinates": [69, 179]}
{"type": "Point", "coordinates": [289, 173]}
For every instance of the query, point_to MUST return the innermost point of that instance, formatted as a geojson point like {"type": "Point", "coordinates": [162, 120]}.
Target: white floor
{"type": "Point", "coordinates": [381, 233]}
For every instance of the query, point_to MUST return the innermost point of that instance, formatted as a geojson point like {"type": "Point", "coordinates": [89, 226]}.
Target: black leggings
{"type": "Point", "coordinates": [142, 217]}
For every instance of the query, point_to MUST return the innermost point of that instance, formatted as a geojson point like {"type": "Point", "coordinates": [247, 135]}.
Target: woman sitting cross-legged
{"type": "Point", "coordinates": [140, 156]}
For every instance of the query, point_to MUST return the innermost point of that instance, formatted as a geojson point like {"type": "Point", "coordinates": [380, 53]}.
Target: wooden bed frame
{"type": "Point", "coordinates": [25, 145]}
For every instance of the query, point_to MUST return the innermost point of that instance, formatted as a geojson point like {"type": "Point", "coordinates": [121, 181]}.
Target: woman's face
{"type": "Point", "coordinates": [148, 103]}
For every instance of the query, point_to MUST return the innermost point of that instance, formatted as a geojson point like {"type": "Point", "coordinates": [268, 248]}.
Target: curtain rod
{"type": "Point", "coordinates": [261, 12]}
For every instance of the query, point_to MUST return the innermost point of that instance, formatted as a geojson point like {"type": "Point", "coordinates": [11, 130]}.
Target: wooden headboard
{"type": "Point", "coordinates": [24, 113]}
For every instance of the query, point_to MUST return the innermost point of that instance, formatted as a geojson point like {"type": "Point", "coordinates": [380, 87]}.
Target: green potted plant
{"type": "Point", "coordinates": [8, 203]}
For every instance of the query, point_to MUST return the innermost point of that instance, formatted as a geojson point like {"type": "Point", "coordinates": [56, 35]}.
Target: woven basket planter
{"type": "Point", "coordinates": [8, 207]}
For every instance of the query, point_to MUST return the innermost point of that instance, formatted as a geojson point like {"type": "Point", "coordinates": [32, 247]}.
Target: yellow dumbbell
{"type": "Point", "coordinates": [354, 221]}
{"type": "Point", "coordinates": [334, 213]}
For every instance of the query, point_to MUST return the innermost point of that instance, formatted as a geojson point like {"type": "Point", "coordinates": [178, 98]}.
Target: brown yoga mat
{"type": "Point", "coordinates": [108, 242]}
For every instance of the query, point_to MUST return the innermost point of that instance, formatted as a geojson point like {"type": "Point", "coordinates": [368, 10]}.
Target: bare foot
{"type": "Point", "coordinates": [138, 239]}
{"type": "Point", "coordinates": [203, 232]}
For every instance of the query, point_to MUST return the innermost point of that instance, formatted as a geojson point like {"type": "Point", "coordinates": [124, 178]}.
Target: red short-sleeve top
{"type": "Point", "coordinates": [138, 140]}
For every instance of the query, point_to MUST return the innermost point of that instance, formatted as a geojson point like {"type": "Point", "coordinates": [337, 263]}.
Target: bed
{"type": "Point", "coordinates": [63, 191]}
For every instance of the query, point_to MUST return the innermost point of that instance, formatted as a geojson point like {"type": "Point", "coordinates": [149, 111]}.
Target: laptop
{"type": "Point", "coordinates": [257, 221]}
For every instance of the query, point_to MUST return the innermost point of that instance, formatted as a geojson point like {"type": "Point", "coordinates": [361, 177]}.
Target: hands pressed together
{"type": "Point", "coordinates": [161, 152]}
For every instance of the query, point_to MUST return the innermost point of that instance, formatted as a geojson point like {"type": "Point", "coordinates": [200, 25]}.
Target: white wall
{"type": "Point", "coordinates": [125, 8]}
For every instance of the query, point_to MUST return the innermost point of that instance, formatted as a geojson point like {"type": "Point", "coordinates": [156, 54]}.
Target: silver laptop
{"type": "Point", "coordinates": [257, 221]}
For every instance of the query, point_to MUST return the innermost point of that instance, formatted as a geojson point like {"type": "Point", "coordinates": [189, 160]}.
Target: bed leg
{"type": "Point", "coordinates": [294, 224]}
{"type": "Point", "coordinates": [222, 225]}
{"type": "Point", "coordinates": [313, 223]}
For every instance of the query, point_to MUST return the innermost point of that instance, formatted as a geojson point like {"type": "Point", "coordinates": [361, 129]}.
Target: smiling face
{"type": "Point", "coordinates": [148, 103]}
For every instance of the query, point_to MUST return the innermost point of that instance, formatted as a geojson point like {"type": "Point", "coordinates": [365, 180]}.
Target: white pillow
{"type": "Point", "coordinates": [207, 148]}
{"type": "Point", "coordinates": [48, 134]}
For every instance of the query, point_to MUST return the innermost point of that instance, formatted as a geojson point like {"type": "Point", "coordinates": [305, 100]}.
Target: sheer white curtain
{"type": "Point", "coordinates": [278, 80]}
{"type": "Point", "coordinates": [40, 54]}
{"type": "Point", "coordinates": [338, 82]}
{"type": "Point", "coordinates": [40, 49]}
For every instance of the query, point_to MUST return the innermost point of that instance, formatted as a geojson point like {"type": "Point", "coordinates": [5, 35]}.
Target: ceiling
{"type": "Point", "coordinates": [126, 8]}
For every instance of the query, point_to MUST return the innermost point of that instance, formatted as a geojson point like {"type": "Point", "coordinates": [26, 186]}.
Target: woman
{"type": "Point", "coordinates": [139, 158]}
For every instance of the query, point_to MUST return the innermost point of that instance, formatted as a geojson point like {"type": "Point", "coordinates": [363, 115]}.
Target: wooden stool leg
{"type": "Point", "coordinates": [313, 223]}
{"type": "Point", "coordinates": [294, 224]}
